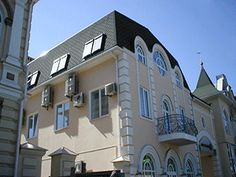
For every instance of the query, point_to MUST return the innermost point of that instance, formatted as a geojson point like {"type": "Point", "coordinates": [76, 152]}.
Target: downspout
{"type": "Point", "coordinates": [24, 63]}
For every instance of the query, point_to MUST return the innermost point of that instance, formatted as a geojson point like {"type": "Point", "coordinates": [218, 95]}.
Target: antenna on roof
{"type": "Point", "coordinates": [200, 58]}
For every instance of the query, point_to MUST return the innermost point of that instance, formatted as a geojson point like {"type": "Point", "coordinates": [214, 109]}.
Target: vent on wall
{"type": "Point", "coordinates": [70, 86]}
{"type": "Point", "coordinates": [78, 100]}
{"type": "Point", "coordinates": [47, 97]}
{"type": "Point", "coordinates": [110, 89]}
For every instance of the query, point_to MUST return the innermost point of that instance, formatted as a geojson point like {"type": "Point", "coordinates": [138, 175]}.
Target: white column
{"type": "Point", "coordinates": [16, 34]}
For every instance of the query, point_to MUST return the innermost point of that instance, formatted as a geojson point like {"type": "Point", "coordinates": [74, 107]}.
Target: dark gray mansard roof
{"type": "Point", "coordinates": [120, 31]}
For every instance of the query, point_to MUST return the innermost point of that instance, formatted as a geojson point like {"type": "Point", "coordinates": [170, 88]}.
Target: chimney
{"type": "Point", "coordinates": [221, 82]}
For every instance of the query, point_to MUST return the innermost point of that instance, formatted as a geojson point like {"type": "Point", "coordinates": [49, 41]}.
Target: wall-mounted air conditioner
{"type": "Point", "coordinates": [110, 89]}
{"type": "Point", "coordinates": [47, 96]}
{"type": "Point", "coordinates": [80, 167]}
{"type": "Point", "coordinates": [78, 100]}
{"type": "Point", "coordinates": [70, 86]}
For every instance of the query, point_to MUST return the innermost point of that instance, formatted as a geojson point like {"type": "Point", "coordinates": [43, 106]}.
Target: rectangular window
{"type": "Point", "coordinates": [99, 103]}
{"type": "Point", "coordinates": [32, 125]}
{"type": "Point", "coordinates": [144, 103]}
{"type": "Point", "coordinates": [97, 45]}
{"type": "Point", "coordinates": [93, 45]}
{"type": "Point", "coordinates": [60, 64]}
{"type": "Point", "coordinates": [62, 116]}
{"type": "Point", "coordinates": [88, 48]}
{"type": "Point", "coordinates": [33, 79]}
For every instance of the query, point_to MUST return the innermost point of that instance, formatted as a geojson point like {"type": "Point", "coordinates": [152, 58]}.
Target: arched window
{"type": "Point", "coordinates": [166, 113]}
{"type": "Point", "coordinates": [226, 122]}
{"type": "Point", "coordinates": [148, 167]}
{"type": "Point", "coordinates": [178, 80]}
{"type": "Point", "coordinates": [171, 168]}
{"type": "Point", "coordinates": [141, 55]}
{"type": "Point", "coordinates": [159, 60]}
{"type": "Point", "coordinates": [189, 169]}
{"type": "Point", "coordinates": [165, 108]}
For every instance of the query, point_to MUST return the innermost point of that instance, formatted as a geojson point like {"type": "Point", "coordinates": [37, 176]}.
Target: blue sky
{"type": "Point", "coordinates": [184, 27]}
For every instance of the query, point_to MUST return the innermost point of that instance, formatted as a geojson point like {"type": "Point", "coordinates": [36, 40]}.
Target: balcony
{"type": "Point", "coordinates": [176, 129]}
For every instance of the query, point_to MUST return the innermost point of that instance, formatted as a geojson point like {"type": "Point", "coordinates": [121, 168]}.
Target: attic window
{"type": "Point", "coordinates": [93, 45]}
{"type": "Point", "coordinates": [33, 79]}
{"type": "Point", "coordinates": [60, 64]}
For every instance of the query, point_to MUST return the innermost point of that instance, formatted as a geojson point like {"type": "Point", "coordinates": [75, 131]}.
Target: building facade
{"type": "Point", "coordinates": [222, 101]}
{"type": "Point", "coordinates": [112, 97]}
{"type": "Point", "coordinates": [15, 21]}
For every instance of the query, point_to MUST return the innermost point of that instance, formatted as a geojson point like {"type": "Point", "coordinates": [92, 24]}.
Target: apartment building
{"type": "Point", "coordinates": [113, 99]}
{"type": "Point", "coordinates": [15, 21]}
{"type": "Point", "coordinates": [223, 104]}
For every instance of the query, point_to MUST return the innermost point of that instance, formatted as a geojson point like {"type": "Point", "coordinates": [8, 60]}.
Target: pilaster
{"type": "Point", "coordinates": [125, 114]}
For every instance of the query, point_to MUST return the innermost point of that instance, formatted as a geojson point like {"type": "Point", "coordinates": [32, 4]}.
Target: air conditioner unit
{"type": "Point", "coordinates": [70, 86]}
{"type": "Point", "coordinates": [78, 100]}
{"type": "Point", "coordinates": [80, 167]}
{"type": "Point", "coordinates": [47, 97]}
{"type": "Point", "coordinates": [110, 89]}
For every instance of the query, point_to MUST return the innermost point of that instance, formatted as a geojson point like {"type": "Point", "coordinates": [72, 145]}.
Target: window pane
{"type": "Point", "coordinates": [35, 122]}
{"type": "Point", "coordinates": [97, 45]}
{"type": "Point", "coordinates": [66, 114]}
{"type": "Point", "coordinates": [104, 103]}
{"type": "Point", "coordinates": [146, 103]}
{"type": "Point", "coordinates": [142, 102]}
{"type": "Point", "coordinates": [88, 48]}
{"type": "Point", "coordinates": [34, 78]}
{"type": "Point", "coordinates": [59, 121]}
{"type": "Point", "coordinates": [95, 104]}
{"type": "Point", "coordinates": [30, 128]}
{"type": "Point", "coordinates": [55, 66]}
{"type": "Point", "coordinates": [62, 63]}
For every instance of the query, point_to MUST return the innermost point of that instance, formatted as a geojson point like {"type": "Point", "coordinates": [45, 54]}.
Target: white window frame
{"type": "Point", "coordinates": [141, 55]}
{"type": "Point", "coordinates": [151, 164]}
{"type": "Point", "coordinates": [93, 45]}
{"type": "Point", "coordinates": [100, 104]}
{"type": "Point", "coordinates": [59, 64]}
{"type": "Point", "coordinates": [55, 120]}
{"type": "Point", "coordinates": [147, 110]}
{"type": "Point", "coordinates": [36, 127]}
{"type": "Point", "coordinates": [159, 60]}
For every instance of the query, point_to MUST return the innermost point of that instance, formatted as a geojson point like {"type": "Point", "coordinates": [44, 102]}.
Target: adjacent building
{"type": "Point", "coordinates": [223, 104]}
{"type": "Point", "coordinates": [15, 21]}
{"type": "Point", "coordinates": [113, 99]}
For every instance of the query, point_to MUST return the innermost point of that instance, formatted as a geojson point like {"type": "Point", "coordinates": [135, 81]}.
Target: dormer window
{"type": "Point", "coordinates": [159, 60]}
{"type": "Point", "coordinates": [93, 45]}
{"type": "Point", "coordinates": [141, 55]}
{"type": "Point", "coordinates": [33, 79]}
{"type": "Point", "coordinates": [60, 64]}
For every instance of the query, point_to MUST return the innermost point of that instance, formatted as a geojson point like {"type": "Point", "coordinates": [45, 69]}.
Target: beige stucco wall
{"type": "Point", "coordinates": [219, 105]}
{"type": "Point", "coordinates": [144, 129]}
{"type": "Point", "coordinates": [94, 141]}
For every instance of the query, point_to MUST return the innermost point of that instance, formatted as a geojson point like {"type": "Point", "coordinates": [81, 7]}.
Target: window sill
{"type": "Point", "coordinates": [146, 118]}
{"type": "Point", "coordinates": [98, 118]}
{"type": "Point", "coordinates": [61, 129]}
{"type": "Point", "coordinates": [32, 138]}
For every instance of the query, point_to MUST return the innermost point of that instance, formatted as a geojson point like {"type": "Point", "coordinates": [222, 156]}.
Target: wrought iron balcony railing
{"type": "Point", "coordinates": [176, 123]}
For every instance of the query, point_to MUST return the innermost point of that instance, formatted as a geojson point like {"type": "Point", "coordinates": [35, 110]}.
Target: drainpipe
{"type": "Point", "coordinates": [24, 63]}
